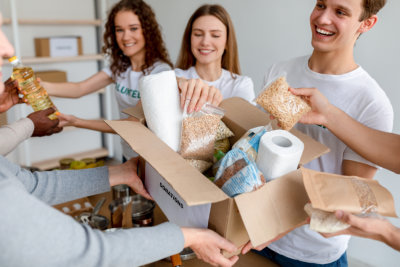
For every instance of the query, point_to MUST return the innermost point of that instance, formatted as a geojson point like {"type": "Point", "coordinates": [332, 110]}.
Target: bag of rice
{"type": "Point", "coordinates": [200, 165]}
{"type": "Point", "coordinates": [223, 131]}
{"type": "Point", "coordinates": [286, 107]}
{"type": "Point", "coordinates": [199, 131]}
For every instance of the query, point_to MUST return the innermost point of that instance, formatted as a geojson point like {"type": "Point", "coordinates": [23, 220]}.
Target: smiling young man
{"type": "Point", "coordinates": [335, 25]}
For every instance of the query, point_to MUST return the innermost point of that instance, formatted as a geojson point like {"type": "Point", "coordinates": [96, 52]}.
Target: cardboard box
{"type": "Point", "coordinates": [3, 118]}
{"type": "Point", "coordinates": [62, 46]}
{"type": "Point", "coordinates": [260, 216]}
{"type": "Point", "coordinates": [54, 76]}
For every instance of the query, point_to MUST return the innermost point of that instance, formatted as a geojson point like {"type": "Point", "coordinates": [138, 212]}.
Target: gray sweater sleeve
{"type": "Point", "coordinates": [35, 234]}
{"type": "Point", "coordinates": [54, 187]}
{"type": "Point", "coordinates": [13, 134]}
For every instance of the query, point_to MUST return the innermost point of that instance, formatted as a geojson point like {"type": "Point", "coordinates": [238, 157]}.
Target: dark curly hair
{"type": "Point", "coordinates": [154, 44]}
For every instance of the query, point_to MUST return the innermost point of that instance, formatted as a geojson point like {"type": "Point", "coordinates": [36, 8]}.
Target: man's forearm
{"type": "Point", "coordinates": [376, 146]}
{"type": "Point", "coordinates": [12, 135]}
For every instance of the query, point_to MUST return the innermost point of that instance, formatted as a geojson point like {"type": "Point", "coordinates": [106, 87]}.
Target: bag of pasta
{"type": "Point", "coordinates": [237, 174]}
{"type": "Point", "coordinates": [250, 141]}
{"type": "Point", "coordinates": [199, 130]}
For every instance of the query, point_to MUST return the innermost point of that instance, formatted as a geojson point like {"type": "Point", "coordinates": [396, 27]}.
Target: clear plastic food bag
{"type": "Point", "coordinates": [286, 107]}
{"type": "Point", "coordinates": [223, 131]}
{"type": "Point", "coordinates": [199, 131]}
{"type": "Point", "coordinates": [237, 174]}
{"type": "Point", "coordinates": [250, 141]}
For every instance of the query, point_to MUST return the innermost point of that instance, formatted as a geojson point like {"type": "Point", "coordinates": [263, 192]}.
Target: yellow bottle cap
{"type": "Point", "coordinates": [11, 59]}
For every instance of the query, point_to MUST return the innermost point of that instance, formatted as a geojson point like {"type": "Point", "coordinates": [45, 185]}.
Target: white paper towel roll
{"type": "Point", "coordinates": [279, 152]}
{"type": "Point", "coordinates": [161, 106]}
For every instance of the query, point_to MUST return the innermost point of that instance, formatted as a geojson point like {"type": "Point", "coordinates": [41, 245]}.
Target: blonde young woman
{"type": "Point", "coordinates": [134, 43]}
{"type": "Point", "coordinates": [209, 52]}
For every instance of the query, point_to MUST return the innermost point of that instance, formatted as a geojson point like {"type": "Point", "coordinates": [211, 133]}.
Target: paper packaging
{"type": "Point", "coordinates": [330, 192]}
{"type": "Point", "coordinates": [161, 106]}
{"type": "Point", "coordinates": [61, 46]}
{"type": "Point", "coordinates": [273, 210]}
{"type": "Point", "coordinates": [3, 119]}
{"type": "Point", "coordinates": [279, 152]}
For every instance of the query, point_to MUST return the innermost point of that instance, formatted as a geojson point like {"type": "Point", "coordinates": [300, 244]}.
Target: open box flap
{"type": "Point", "coordinates": [283, 198]}
{"type": "Point", "coordinates": [170, 165]}
{"type": "Point", "coordinates": [136, 111]}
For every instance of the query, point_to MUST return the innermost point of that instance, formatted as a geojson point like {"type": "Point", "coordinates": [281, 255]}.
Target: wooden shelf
{"type": "Point", "coordinates": [41, 60]}
{"type": "Point", "coordinates": [95, 22]}
{"type": "Point", "coordinates": [54, 163]}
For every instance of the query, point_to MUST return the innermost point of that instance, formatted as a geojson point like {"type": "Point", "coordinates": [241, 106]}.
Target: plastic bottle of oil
{"type": "Point", "coordinates": [35, 94]}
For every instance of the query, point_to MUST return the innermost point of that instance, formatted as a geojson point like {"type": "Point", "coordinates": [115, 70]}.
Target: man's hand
{"type": "Point", "coordinates": [43, 125]}
{"type": "Point", "coordinates": [208, 245]}
{"type": "Point", "coordinates": [198, 93]}
{"type": "Point", "coordinates": [126, 173]}
{"type": "Point", "coordinates": [320, 106]}
{"type": "Point", "coordinates": [10, 96]}
{"type": "Point", "coordinates": [246, 248]}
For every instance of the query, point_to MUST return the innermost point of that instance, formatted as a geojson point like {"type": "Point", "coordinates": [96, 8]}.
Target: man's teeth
{"type": "Point", "coordinates": [321, 31]}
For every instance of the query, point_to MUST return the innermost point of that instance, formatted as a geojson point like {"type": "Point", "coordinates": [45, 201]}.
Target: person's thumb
{"type": "Point", "coordinates": [227, 246]}
{"type": "Point", "coordinates": [339, 215]}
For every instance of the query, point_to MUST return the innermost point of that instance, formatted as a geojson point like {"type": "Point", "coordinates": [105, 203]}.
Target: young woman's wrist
{"type": "Point", "coordinates": [77, 122]}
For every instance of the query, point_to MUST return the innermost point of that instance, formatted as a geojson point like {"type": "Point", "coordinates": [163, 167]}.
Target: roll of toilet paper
{"type": "Point", "coordinates": [161, 106]}
{"type": "Point", "coordinates": [279, 152]}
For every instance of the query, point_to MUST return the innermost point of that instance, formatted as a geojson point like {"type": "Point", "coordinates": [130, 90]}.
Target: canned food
{"type": "Point", "coordinates": [142, 211]}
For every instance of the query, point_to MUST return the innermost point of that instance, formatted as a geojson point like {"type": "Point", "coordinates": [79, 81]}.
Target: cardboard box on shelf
{"type": "Point", "coordinates": [61, 46]}
{"type": "Point", "coordinates": [54, 76]}
{"type": "Point", "coordinates": [182, 192]}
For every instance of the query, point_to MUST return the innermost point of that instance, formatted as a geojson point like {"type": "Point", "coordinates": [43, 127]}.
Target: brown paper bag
{"type": "Point", "coordinates": [330, 192]}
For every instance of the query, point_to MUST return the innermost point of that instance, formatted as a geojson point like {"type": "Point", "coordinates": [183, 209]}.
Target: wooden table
{"type": "Point", "coordinates": [251, 259]}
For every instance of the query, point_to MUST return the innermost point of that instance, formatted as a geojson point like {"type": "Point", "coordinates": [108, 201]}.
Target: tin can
{"type": "Point", "coordinates": [142, 211]}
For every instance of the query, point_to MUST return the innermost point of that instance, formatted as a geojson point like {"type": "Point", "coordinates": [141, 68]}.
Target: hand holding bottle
{"type": "Point", "coordinates": [10, 95]}
{"type": "Point", "coordinates": [43, 125]}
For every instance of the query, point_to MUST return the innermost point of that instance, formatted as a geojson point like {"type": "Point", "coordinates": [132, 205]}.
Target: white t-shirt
{"type": "Point", "coordinates": [127, 93]}
{"type": "Point", "coordinates": [240, 86]}
{"type": "Point", "coordinates": [357, 94]}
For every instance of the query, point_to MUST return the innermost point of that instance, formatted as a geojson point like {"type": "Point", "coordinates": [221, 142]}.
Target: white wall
{"type": "Point", "coordinates": [270, 31]}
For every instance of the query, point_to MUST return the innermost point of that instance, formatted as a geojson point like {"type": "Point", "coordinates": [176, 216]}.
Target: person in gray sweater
{"type": "Point", "coordinates": [35, 234]}
{"type": "Point", "coordinates": [32, 233]}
